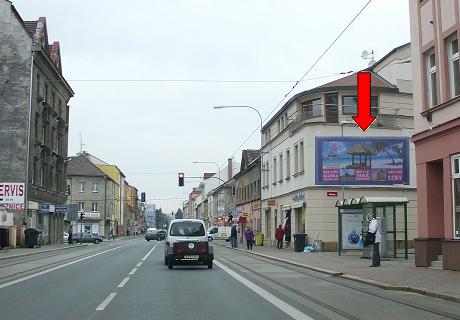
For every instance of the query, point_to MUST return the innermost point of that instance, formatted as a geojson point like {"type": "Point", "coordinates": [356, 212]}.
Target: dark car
{"type": "Point", "coordinates": [86, 238]}
{"type": "Point", "coordinates": [161, 235]}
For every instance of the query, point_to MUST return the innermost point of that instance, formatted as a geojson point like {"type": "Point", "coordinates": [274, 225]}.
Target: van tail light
{"type": "Point", "coordinates": [180, 250]}
{"type": "Point", "coordinates": [203, 249]}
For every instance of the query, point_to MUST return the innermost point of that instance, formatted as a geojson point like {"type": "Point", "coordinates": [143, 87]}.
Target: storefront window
{"type": "Point", "coordinates": [456, 183]}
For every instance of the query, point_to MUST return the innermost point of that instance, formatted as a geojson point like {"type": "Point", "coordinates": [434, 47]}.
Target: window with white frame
{"type": "Point", "coordinates": [301, 157]}
{"type": "Point", "coordinates": [274, 170]}
{"type": "Point", "coordinates": [454, 67]}
{"type": "Point", "coordinates": [432, 89]}
{"type": "Point", "coordinates": [456, 195]}
{"type": "Point", "coordinates": [288, 163]}
{"type": "Point", "coordinates": [281, 168]}
{"type": "Point", "coordinates": [94, 207]}
{"type": "Point", "coordinates": [81, 206]}
{"type": "Point", "coordinates": [95, 187]}
{"type": "Point", "coordinates": [296, 159]}
{"type": "Point", "coordinates": [82, 187]}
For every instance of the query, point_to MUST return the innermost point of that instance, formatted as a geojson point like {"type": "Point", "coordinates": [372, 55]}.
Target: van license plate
{"type": "Point", "coordinates": [191, 257]}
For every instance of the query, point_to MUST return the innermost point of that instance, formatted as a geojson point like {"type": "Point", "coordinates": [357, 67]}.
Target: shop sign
{"type": "Point", "coordinates": [14, 206]}
{"type": "Point", "coordinates": [332, 193]}
{"type": "Point", "coordinates": [12, 193]}
{"type": "Point", "coordinates": [271, 203]}
{"type": "Point", "coordinates": [47, 208]}
{"type": "Point", "coordinates": [298, 197]}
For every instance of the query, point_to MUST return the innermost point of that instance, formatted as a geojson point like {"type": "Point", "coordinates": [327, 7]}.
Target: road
{"type": "Point", "coordinates": [128, 280]}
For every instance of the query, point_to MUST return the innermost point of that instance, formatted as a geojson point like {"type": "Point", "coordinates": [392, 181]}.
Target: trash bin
{"type": "Point", "coordinates": [4, 238]}
{"type": "Point", "coordinates": [299, 241]}
{"type": "Point", "coordinates": [33, 237]}
{"type": "Point", "coordinates": [259, 239]}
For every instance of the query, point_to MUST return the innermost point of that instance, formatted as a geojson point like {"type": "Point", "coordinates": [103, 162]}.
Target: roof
{"type": "Point", "coordinates": [364, 200]}
{"type": "Point", "coordinates": [31, 26]}
{"type": "Point", "coordinates": [371, 68]}
{"type": "Point", "coordinates": [81, 166]}
{"type": "Point", "coordinates": [247, 157]}
{"type": "Point", "coordinates": [352, 80]}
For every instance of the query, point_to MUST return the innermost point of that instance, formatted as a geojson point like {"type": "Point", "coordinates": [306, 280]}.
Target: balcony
{"type": "Point", "coordinates": [387, 118]}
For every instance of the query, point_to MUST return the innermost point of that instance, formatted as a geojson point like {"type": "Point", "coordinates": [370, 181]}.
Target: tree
{"type": "Point", "coordinates": [381, 146]}
{"type": "Point", "coordinates": [179, 214]}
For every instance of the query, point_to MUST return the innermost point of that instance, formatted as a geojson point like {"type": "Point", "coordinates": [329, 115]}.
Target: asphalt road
{"type": "Point", "coordinates": [128, 280]}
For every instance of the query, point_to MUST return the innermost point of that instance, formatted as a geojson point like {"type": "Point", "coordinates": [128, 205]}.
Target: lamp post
{"type": "Point", "coordinates": [261, 126]}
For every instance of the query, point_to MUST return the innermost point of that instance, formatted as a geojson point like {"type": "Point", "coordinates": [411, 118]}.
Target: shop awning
{"type": "Point", "coordinates": [364, 200]}
{"type": "Point", "coordinates": [286, 207]}
{"type": "Point", "coordinates": [297, 205]}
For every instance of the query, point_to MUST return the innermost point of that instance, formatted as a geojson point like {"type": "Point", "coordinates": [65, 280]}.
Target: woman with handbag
{"type": "Point", "coordinates": [373, 238]}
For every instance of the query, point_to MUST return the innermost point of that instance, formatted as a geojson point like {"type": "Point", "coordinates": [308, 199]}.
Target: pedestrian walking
{"type": "Point", "coordinates": [249, 236]}
{"type": "Point", "coordinates": [70, 237]}
{"type": "Point", "coordinates": [373, 238]}
{"type": "Point", "coordinates": [279, 234]}
{"type": "Point", "coordinates": [233, 236]}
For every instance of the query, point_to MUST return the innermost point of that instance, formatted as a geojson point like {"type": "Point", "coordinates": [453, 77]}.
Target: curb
{"type": "Point", "coordinates": [375, 283]}
{"type": "Point", "coordinates": [38, 252]}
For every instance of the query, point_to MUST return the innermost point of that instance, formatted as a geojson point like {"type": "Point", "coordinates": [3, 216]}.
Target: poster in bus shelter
{"type": "Point", "coordinates": [362, 160]}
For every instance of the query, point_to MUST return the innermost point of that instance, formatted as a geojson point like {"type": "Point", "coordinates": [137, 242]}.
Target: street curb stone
{"type": "Point", "coordinates": [375, 283]}
{"type": "Point", "coordinates": [38, 252]}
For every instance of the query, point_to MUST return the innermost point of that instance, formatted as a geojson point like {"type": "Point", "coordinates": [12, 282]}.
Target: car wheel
{"type": "Point", "coordinates": [75, 241]}
{"type": "Point", "coordinates": [147, 239]}
{"type": "Point", "coordinates": [96, 241]}
{"type": "Point", "coordinates": [210, 264]}
{"type": "Point", "coordinates": [170, 264]}
{"type": "Point", "coordinates": [209, 238]}
{"type": "Point", "coordinates": [166, 261]}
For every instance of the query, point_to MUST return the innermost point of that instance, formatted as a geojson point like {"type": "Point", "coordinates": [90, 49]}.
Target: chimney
{"type": "Point", "coordinates": [229, 169]}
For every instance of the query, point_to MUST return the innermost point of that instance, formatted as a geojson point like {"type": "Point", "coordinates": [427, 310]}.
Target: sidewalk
{"type": "Point", "coordinates": [401, 275]}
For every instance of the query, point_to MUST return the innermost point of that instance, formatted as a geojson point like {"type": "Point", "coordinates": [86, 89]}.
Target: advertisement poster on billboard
{"type": "Point", "coordinates": [362, 160]}
{"type": "Point", "coordinates": [352, 220]}
{"type": "Point", "coordinates": [12, 195]}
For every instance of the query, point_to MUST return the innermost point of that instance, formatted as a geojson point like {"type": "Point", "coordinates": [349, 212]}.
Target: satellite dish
{"type": "Point", "coordinates": [371, 63]}
{"type": "Point", "coordinates": [365, 54]}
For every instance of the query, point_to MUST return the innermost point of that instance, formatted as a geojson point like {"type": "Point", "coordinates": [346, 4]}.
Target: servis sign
{"type": "Point", "coordinates": [11, 194]}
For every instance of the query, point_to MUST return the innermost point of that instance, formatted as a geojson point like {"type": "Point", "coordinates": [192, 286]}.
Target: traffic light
{"type": "Point", "coordinates": [143, 197]}
{"type": "Point", "coordinates": [82, 215]}
{"type": "Point", "coordinates": [181, 179]}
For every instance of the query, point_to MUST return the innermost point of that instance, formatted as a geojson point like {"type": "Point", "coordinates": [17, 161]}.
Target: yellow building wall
{"type": "Point", "coordinates": [115, 174]}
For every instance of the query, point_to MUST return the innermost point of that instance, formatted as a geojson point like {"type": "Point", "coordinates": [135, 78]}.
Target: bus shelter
{"type": "Point", "coordinates": [391, 212]}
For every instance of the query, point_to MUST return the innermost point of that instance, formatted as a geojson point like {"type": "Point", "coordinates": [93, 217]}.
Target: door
{"type": "Point", "coordinates": [332, 108]}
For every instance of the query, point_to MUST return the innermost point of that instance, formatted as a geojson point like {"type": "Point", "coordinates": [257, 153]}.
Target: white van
{"type": "Point", "coordinates": [187, 240]}
{"type": "Point", "coordinates": [219, 233]}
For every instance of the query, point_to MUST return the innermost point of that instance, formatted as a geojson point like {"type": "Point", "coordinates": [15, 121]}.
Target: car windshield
{"type": "Point", "coordinates": [187, 229]}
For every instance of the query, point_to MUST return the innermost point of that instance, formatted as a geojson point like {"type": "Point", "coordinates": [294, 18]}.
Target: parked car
{"type": "Point", "coordinates": [161, 235]}
{"type": "Point", "coordinates": [86, 238]}
{"type": "Point", "coordinates": [219, 233]}
{"type": "Point", "coordinates": [66, 237]}
{"type": "Point", "coordinates": [187, 241]}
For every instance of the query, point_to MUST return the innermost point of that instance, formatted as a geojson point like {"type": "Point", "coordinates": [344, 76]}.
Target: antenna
{"type": "Point", "coordinates": [365, 54]}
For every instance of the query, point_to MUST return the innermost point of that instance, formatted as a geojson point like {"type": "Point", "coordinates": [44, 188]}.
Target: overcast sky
{"type": "Point", "coordinates": [153, 130]}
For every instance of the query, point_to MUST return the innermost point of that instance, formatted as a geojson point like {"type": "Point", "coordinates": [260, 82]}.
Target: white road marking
{"type": "Point", "coordinates": [10, 283]}
{"type": "Point", "coordinates": [122, 284]}
{"type": "Point", "coordinates": [277, 302]}
{"type": "Point", "coordinates": [106, 301]}
{"type": "Point", "coordinates": [139, 264]}
{"type": "Point", "coordinates": [146, 256]}
{"type": "Point", "coordinates": [133, 271]}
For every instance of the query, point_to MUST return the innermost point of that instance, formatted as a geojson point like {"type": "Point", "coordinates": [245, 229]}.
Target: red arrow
{"type": "Point", "coordinates": [364, 118]}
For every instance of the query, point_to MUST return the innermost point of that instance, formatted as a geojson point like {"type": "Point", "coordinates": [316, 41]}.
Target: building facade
{"type": "Point", "coordinates": [435, 27]}
{"type": "Point", "coordinates": [35, 115]}
{"type": "Point", "coordinates": [306, 144]}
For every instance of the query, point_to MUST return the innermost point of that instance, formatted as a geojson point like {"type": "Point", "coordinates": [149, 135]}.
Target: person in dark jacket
{"type": "Point", "coordinates": [70, 237]}
{"type": "Point", "coordinates": [279, 234]}
{"type": "Point", "coordinates": [249, 236]}
{"type": "Point", "coordinates": [233, 236]}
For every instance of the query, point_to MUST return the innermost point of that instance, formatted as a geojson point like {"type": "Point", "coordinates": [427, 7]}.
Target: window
{"type": "Point", "coordinates": [274, 170]}
{"type": "Point", "coordinates": [281, 168]}
{"type": "Point", "coordinates": [38, 84]}
{"type": "Point", "coordinates": [267, 172]}
{"type": "Point", "coordinates": [42, 176]}
{"type": "Point", "coordinates": [296, 159]}
{"type": "Point", "coordinates": [432, 90]}
{"type": "Point", "coordinates": [350, 105]}
{"type": "Point", "coordinates": [301, 157]}
{"type": "Point", "coordinates": [82, 187]}
{"type": "Point", "coordinates": [279, 125]}
{"type": "Point", "coordinates": [187, 228]}
{"type": "Point", "coordinates": [454, 67]}
{"type": "Point", "coordinates": [312, 109]}
{"type": "Point", "coordinates": [36, 129]}
{"type": "Point", "coordinates": [288, 164]}
{"type": "Point", "coordinates": [94, 207]}
{"type": "Point", "coordinates": [95, 187]}
{"type": "Point", "coordinates": [456, 195]}
{"type": "Point", "coordinates": [81, 206]}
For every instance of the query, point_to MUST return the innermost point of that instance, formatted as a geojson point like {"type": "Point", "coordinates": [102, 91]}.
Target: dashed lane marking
{"type": "Point", "coordinates": [133, 271]}
{"type": "Point", "coordinates": [122, 283]}
{"type": "Point", "coordinates": [147, 255]}
{"type": "Point", "coordinates": [106, 301]}
{"type": "Point", "coordinates": [139, 264]}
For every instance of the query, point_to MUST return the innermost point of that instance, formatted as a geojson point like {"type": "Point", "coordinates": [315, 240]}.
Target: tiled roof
{"type": "Point", "coordinates": [31, 26]}
{"type": "Point", "coordinates": [81, 166]}
{"type": "Point", "coordinates": [247, 157]}
{"type": "Point", "coordinates": [351, 81]}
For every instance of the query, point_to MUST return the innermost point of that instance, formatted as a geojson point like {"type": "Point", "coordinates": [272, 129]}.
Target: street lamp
{"type": "Point", "coordinates": [248, 107]}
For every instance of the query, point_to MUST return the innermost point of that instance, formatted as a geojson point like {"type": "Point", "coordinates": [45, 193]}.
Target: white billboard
{"type": "Point", "coordinates": [12, 193]}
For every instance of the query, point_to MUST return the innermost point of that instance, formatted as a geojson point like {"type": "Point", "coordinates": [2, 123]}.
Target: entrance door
{"type": "Point", "coordinates": [332, 108]}
{"type": "Point", "coordinates": [299, 220]}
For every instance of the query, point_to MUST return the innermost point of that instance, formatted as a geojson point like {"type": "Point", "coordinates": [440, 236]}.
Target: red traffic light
{"type": "Point", "coordinates": [181, 179]}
